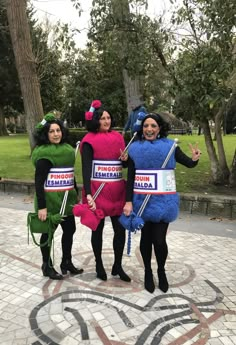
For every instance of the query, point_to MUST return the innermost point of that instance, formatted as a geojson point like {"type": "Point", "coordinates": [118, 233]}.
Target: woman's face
{"type": "Point", "coordinates": [151, 129]}
{"type": "Point", "coordinates": [54, 134]}
{"type": "Point", "coordinates": [105, 122]}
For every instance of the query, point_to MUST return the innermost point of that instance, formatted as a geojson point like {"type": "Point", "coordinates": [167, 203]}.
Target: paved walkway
{"type": "Point", "coordinates": [199, 308]}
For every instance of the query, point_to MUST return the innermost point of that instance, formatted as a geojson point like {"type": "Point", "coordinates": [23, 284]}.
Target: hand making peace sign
{"type": "Point", "coordinates": [195, 152]}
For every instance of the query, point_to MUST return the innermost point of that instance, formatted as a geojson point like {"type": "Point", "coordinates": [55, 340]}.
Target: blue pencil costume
{"type": "Point", "coordinates": [161, 207]}
{"type": "Point", "coordinates": [147, 177]}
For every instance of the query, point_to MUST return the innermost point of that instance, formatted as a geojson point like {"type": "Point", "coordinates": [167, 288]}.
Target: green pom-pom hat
{"type": "Point", "coordinates": [47, 118]}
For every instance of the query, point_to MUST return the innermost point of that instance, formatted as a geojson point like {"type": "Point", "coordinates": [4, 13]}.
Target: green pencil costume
{"type": "Point", "coordinates": [61, 156]}
{"type": "Point", "coordinates": [60, 178]}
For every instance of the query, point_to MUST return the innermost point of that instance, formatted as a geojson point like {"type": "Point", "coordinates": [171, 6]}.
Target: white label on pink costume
{"type": "Point", "coordinates": [59, 179]}
{"type": "Point", "coordinates": [155, 181]}
{"type": "Point", "coordinates": [106, 171]}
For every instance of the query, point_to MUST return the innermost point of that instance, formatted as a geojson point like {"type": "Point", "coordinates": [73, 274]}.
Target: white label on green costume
{"type": "Point", "coordinates": [106, 171]}
{"type": "Point", "coordinates": [155, 181]}
{"type": "Point", "coordinates": [59, 179]}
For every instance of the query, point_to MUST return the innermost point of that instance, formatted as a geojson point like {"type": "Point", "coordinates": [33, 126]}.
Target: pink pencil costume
{"type": "Point", "coordinates": [104, 188]}
{"type": "Point", "coordinates": [107, 168]}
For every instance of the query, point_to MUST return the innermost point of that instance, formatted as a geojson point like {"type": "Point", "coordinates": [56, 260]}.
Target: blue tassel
{"type": "Point", "coordinates": [129, 243]}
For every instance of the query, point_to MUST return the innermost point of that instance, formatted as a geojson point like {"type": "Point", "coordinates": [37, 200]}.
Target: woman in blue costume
{"type": "Point", "coordinates": [146, 176]}
{"type": "Point", "coordinates": [54, 161]}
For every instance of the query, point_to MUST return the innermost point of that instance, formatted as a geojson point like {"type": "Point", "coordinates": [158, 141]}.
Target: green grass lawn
{"type": "Point", "coordinates": [15, 159]}
{"type": "Point", "coordinates": [16, 162]}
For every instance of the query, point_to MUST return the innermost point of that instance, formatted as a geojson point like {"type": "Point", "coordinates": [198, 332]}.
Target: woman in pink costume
{"type": "Point", "coordinates": [102, 160]}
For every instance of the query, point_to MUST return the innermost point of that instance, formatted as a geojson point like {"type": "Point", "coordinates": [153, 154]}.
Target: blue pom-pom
{"type": "Point", "coordinates": [137, 125]}
{"type": "Point", "coordinates": [132, 222]}
{"type": "Point", "coordinates": [125, 221]}
{"type": "Point", "coordinates": [137, 223]}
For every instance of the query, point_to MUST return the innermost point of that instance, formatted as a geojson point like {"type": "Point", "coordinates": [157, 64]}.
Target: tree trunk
{"type": "Point", "coordinates": [220, 146]}
{"type": "Point", "coordinates": [232, 177]}
{"type": "Point", "coordinates": [216, 173]}
{"type": "Point", "coordinates": [25, 64]}
{"type": "Point", "coordinates": [3, 130]}
{"type": "Point", "coordinates": [132, 90]}
{"type": "Point", "coordinates": [121, 14]}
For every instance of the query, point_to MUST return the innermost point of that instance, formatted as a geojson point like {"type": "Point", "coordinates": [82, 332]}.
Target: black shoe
{"type": "Point", "coordinates": [163, 282]}
{"type": "Point", "coordinates": [149, 282]}
{"type": "Point", "coordinates": [68, 266]}
{"type": "Point", "coordinates": [101, 273]}
{"type": "Point", "coordinates": [49, 271]}
{"type": "Point", "coordinates": [119, 270]}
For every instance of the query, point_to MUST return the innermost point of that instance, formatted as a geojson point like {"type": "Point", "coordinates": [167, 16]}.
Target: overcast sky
{"type": "Point", "coordinates": [63, 10]}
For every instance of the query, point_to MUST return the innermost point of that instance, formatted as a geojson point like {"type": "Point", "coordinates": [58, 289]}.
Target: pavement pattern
{"type": "Point", "coordinates": [199, 307]}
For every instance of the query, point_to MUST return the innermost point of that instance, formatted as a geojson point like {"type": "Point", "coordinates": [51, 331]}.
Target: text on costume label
{"type": "Point", "coordinates": [160, 181]}
{"type": "Point", "coordinates": [59, 179]}
{"type": "Point", "coordinates": [108, 171]}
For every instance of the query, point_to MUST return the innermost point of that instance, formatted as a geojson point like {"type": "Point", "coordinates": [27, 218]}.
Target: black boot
{"type": "Point", "coordinates": [67, 265]}
{"type": "Point", "coordinates": [163, 282]}
{"type": "Point", "coordinates": [49, 271]}
{"type": "Point", "coordinates": [101, 273]}
{"type": "Point", "coordinates": [118, 247]}
{"type": "Point", "coordinates": [148, 281]}
{"type": "Point", "coordinates": [119, 270]}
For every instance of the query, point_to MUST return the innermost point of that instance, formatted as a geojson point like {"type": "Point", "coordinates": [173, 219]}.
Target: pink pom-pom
{"type": "Point", "coordinates": [88, 217]}
{"type": "Point", "coordinates": [88, 115]}
{"type": "Point", "coordinates": [79, 209]}
{"type": "Point", "coordinates": [96, 104]}
{"type": "Point", "coordinates": [99, 213]}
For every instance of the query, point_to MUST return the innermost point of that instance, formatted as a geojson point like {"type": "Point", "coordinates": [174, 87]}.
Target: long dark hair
{"type": "Point", "coordinates": [164, 126]}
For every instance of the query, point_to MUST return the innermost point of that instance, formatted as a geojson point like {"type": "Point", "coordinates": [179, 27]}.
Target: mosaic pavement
{"type": "Point", "coordinates": [199, 308]}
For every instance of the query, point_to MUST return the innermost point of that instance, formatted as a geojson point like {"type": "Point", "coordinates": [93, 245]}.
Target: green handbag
{"type": "Point", "coordinates": [36, 226]}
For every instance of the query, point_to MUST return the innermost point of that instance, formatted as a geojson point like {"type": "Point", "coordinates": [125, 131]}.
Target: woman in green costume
{"type": "Point", "coordinates": [54, 161]}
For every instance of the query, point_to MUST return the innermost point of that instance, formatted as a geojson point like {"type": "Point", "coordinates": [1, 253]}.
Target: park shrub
{"type": "Point", "coordinates": [20, 130]}
{"type": "Point", "coordinates": [76, 135]}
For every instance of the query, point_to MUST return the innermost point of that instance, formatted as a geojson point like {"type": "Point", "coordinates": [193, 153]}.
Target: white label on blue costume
{"type": "Point", "coordinates": [59, 179]}
{"type": "Point", "coordinates": [155, 181]}
{"type": "Point", "coordinates": [106, 171]}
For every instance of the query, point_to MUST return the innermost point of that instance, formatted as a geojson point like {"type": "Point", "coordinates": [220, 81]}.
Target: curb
{"type": "Point", "coordinates": [219, 206]}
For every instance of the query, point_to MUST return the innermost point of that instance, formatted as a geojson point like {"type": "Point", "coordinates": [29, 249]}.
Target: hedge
{"type": "Point", "coordinates": [78, 134]}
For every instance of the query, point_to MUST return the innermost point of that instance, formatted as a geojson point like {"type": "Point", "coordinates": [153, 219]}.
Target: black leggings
{"type": "Point", "coordinates": [68, 228]}
{"type": "Point", "coordinates": [118, 240]}
{"type": "Point", "coordinates": [154, 234]}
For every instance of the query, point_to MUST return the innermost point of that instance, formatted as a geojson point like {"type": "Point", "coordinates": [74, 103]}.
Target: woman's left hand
{"type": "Point", "coordinates": [196, 153]}
{"type": "Point", "coordinates": [42, 214]}
{"type": "Point", "coordinates": [128, 208]}
{"type": "Point", "coordinates": [123, 155]}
